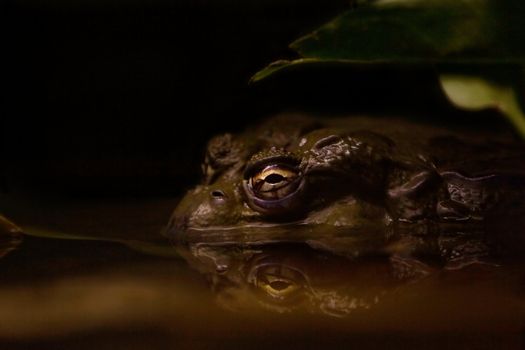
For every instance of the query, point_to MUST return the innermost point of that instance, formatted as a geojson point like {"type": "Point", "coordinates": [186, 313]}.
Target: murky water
{"type": "Point", "coordinates": [98, 274]}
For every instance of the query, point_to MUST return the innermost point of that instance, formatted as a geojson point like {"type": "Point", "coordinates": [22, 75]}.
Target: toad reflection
{"type": "Point", "coordinates": [285, 278]}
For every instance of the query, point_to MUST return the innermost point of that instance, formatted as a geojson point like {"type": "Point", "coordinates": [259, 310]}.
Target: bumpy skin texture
{"type": "Point", "coordinates": [370, 179]}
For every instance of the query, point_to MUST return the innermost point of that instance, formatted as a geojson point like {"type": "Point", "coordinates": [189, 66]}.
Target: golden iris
{"type": "Point", "coordinates": [274, 182]}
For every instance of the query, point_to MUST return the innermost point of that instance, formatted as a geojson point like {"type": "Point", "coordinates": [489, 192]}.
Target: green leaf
{"type": "Point", "coordinates": [422, 31]}
{"type": "Point", "coordinates": [155, 247]}
{"type": "Point", "coordinates": [453, 34]}
{"type": "Point", "coordinates": [300, 64]}
{"type": "Point", "coordinates": [10, 236]}
{"type": "Point", "coordinates": [478, 88]}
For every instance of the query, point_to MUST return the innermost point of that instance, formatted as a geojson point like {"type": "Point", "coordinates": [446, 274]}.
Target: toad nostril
{"type": "Point", "coordinates": [218, 194]}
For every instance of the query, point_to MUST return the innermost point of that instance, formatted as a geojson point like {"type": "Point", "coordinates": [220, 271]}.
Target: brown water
{"type": "Point", "coordinates": [98, 274]}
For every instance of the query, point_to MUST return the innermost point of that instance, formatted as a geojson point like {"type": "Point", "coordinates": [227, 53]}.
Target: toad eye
{"type": "Point", "coordinates": [276, 188]}
{"type": "Point", "coordinates": [274, 182]}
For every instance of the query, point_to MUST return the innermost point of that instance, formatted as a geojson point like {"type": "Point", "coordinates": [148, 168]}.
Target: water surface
{"type": "Point", "coordinates": [99, 274]}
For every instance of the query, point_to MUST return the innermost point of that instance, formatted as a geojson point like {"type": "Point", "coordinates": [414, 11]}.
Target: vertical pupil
{"type": "Point", "coordinates": [274, 178]}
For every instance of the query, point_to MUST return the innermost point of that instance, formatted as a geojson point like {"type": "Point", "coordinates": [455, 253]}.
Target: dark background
{"type": "Point", "coordinates": [118, 97]}
{"type": "Point", "coordinates": [98, 91]}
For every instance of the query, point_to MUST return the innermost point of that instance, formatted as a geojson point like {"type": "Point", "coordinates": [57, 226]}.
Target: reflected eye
{"type": "Point", "coordinates": [282, 284]}
{"type": "Point", "coordinates": [274, 182]}
{"type": "Point", "coordinates": [278, 287]}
